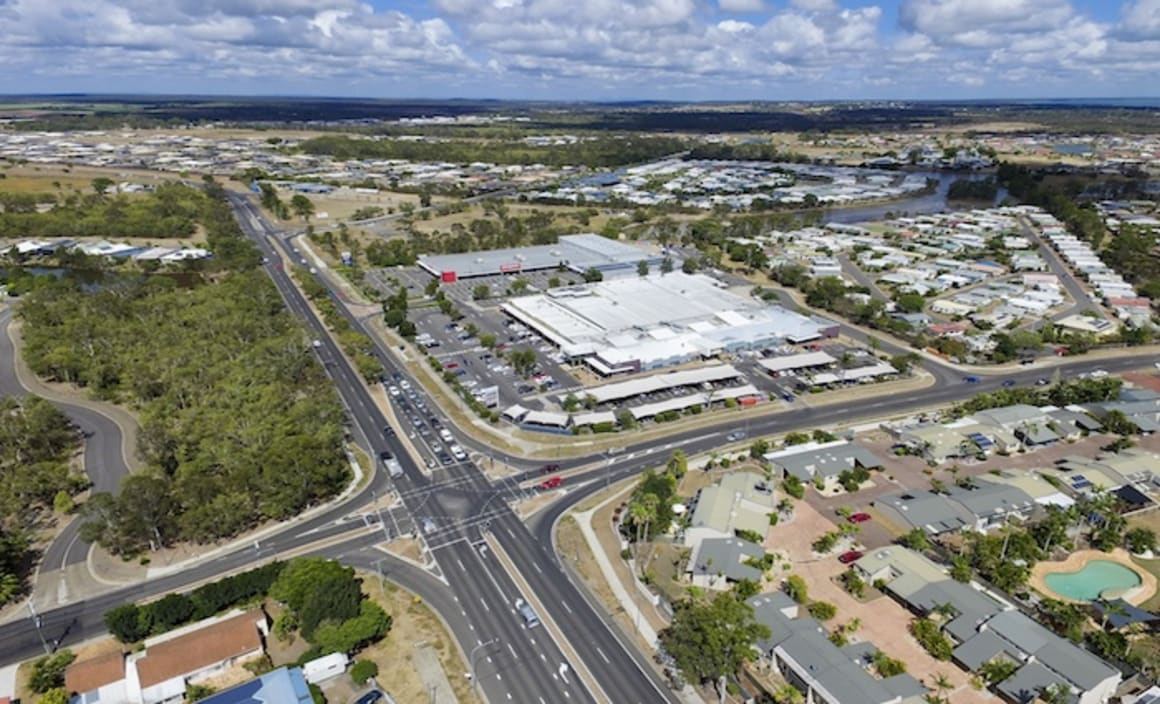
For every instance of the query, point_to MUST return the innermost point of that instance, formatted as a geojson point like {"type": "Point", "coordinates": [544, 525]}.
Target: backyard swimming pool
{"type": "Point", "coordinates": [1095, 579]}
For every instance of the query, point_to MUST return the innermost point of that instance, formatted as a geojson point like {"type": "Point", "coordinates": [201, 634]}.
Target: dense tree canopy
{"type": "Point", "coordinates": [36, 441]}
{"type": "Point", "coordinates": [713, 639]}
{"type": "Point", "coordinates": [238, 422]}
{"type": "Point", "coordinates": [599, 151]}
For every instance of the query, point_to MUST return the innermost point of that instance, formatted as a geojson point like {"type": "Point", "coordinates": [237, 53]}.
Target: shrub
{"type": "Point", "coordinates": [796, 588]}
{"type": "Point", "coordinates": [48, 671]}
{"type": "Point", "coordinates": [927, 633]}
{"type": "Point", "coordinates": [822, 610]}
{"type": "Point", "coordinates": [363, 670]}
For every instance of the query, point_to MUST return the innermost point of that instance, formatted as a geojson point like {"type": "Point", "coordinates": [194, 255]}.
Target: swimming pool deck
{"type": "Point", "coordinates": [1078, 560]}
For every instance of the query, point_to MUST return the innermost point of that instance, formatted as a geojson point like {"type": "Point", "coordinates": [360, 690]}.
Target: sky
{"type": "Point", "coordinates": [586, 49]}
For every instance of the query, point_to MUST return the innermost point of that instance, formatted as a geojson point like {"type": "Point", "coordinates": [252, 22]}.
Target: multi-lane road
{"type": "Point", "coordinates": [455, 508]}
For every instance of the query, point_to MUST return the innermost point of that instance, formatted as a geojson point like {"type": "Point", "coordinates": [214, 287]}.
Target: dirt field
{"type": "Point", "coordinates": [341, 203]}
{"type": "Point", "coordinates": [44, 177]}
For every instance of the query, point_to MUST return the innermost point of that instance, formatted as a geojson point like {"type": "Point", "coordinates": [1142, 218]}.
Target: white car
{"type": "Point", "coordinates": [1099, 374]}
{"type": "Point", "coordinates": [394, 391]}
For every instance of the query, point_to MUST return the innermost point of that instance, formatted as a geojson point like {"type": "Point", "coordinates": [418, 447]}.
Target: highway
{"type": "Point", "coordinates": [455, 516]}
{"type": "Point", "coordinates": [468, 586]}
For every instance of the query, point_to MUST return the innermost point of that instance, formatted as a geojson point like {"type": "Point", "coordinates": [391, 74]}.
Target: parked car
{"type": "Point", "coordinates": [859, 518]}
{"type": "Point", "coordinates": [370, 697]}
{"type": "Point", "coordinates": [850, 556]}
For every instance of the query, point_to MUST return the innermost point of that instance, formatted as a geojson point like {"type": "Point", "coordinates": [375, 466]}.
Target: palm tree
{"type": "Point", "coordinates": [942, 683]}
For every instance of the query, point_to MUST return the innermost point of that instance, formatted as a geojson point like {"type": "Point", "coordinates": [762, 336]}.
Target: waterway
{"type": "Point", "coordinates": [933, 202]}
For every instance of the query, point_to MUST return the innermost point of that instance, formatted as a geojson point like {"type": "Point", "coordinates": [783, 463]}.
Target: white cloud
{"type": "Point", "coordinates": [593, 48]}
{"type": "Point", "coordinates": [951, 18]}
{"type": "Point", "coordinates": [1141, 19]}
{"type": "Point", "coordinates": [741, 5]}
{"type": "Point", "coordinates": [815, 5]}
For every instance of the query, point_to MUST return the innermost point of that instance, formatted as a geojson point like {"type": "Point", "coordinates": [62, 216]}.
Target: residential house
{"type": "Point", "coordinates": [719, 563]}
{"type": "Point", "coordinates": [281, 686]}
{"type": "Point", "coordinates": [740, 501]}
{"type": "Point", "coordinates": [98, 680]}
{"type": "Point", "coordinates": [934, 513]}
{"type": "Point", "coordinates": [800, 650]}
{"type": "Point", "coordinates": [983, 626]}
{"type": "Point", "coordinates": [1140, 406]}
{"type": "Point", "coordinates": [160, 672]}
{"type": "Point", "coordinates": [811, 462]}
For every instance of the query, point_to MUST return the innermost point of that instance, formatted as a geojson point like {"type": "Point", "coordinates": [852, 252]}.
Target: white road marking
{"type": "Point", "coordinates": [485, 606]}
{"type": "Point", "coordinates": [512, 651]}
{"type": "Point", "coordinates": [569, 608]}
{"type": "Point", "coordinates": [598, 650]}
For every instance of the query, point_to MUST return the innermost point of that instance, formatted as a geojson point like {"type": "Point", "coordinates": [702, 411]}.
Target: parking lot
{"type": "Point", "coordinates": [457, 345]}
{"type": "Point", "coordinates": [458, 348]}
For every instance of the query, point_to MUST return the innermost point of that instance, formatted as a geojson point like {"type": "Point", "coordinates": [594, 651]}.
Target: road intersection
{"type": "Point", "coordinates": [455, 515]}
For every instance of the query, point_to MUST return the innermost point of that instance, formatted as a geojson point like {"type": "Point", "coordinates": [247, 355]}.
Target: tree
{"type": "Point", "coordinates": [48, 671]}
{"type": "Point", "coordinates": [363, 670]}
{"type": "Point", "coordinates": [487, 340]}
{"type": "Point", "coordinates": [910, 303]}
{"type": "Point", "coordinates": [997, 670]}
{"type": "Point", "coordinates": [371, 624]}
{"type": "Point", "coordinates": [101, 185]}
{"type": "Point", "coordinates": [642, 267]}
{"type": "Point", "coordinates": [1140, 540]}
{"type": "Point", "coordinates": [522, 360]}
{"type": "Point", "coordinates": [125, 623]}
{"type": "Point", "coordinates": [317, 590]}
{"type": "Point", "coordinates": [796, 588]}
{"type": "Point", "coordinates": [886, 665]}
{"type": "Point", "coordinates": [302, 206]}
{"type": "Point", "coordinates": [916, 540]}
{"type": "Point", "coordinates": [710, 640]}
{"type": "Point", "coordinates": [481, 292]}
{"type": "Point", "coordinates": [592, 275]}
{"type": "Point", "coordinates": [759, 448]}
{"type": "Point", "coordinates": [667, 265]}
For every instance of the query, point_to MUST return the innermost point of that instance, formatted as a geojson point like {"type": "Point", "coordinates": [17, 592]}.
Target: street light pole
{"type": "Point", "coordinates": [471, 658]}
{"type": "Point", "coordinates": [38, 622]}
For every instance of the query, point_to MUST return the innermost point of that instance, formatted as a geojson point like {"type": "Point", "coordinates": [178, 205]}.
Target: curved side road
{"type": "Point", "coordinates": [107, 459]}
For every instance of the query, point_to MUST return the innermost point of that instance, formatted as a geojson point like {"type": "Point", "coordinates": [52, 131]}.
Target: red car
{"type": "Point", "coordinates": [551, 482]}
{"type": "Point", "coordinates": [848, 557]}
{"type": "Point", "coordinates": [859, 518]}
